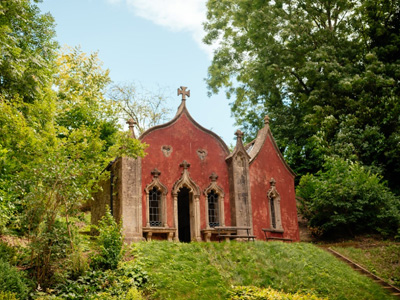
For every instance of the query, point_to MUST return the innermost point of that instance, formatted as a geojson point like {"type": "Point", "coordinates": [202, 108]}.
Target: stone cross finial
{"type": "Point", "coordinates": [131, 122]}
{"type": "Point", "coordinates": [185, 165]}
{"type": "Point", "coordinates": [266, 119]}
{"type": "Point", "coordinates": [155, 172]}
{"type": "Point", "coordinates": [239, 134]}
{"type": "Point", "coordinates": [272, 182]}
{"type": "Point", "coordinates": [213, 177]}
{"type": "Point", "coordinates": [182, 91]}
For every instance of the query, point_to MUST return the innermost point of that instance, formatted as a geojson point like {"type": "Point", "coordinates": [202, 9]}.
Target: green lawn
{"type": "Point", "coordinates": [381, 259]}
{"type": "Point", "coordinates": [209, 270]}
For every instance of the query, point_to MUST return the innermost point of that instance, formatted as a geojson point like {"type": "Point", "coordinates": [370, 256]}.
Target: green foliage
{"type": "Point", "coordinates": [12, 281]}
{"type": "Point", "coordinates": [326, 72]}
{"type": "Point", "coordinates": [121, 283]}
{"type": "Point", "coordinates": [209, 270]}
{"type": "Point", "coordinates": [348, 198]}
{"type": "Point", "coordinates": [381, 259]}
{"type": "Point", "coordinates": [27, 50]}
{"type": "Point", "coordinates": [254, 293]}
{"type": "Point", "coordinates": [8, 296]}
{"type": "Point", "coordinates": [109, 243]}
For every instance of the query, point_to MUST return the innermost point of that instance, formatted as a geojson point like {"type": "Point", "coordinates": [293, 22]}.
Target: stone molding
{"type": "Point", "coordinates": [157, 183]}
{"type": "Point", "coordinates": [275, 198]}
{"type": "Point", "coordinates": [221, 200]}
{"type": "Point", "coordinates": [194, 191]}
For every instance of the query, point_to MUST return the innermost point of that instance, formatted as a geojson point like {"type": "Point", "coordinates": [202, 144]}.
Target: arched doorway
{"type": "Point", "coordinates": [186, 195]}
{"type": "Point", "coordinates": [184, 215]}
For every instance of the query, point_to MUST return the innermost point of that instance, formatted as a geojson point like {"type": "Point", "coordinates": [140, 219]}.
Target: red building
{"type": "Point", "coordinates": [189, 183]}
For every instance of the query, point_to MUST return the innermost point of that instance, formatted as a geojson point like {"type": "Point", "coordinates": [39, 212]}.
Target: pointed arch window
{"type": "Point", "coordinates": [213, 209]}
{"type": "Point", "coordinates": [215, 203]}
{"type": "Point", "coordinates": [156, 213]}
{"type": "Point", "coordinates": [155, 207]}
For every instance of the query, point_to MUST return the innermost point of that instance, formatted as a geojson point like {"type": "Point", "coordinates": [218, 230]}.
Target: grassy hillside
{"type": "Point", "coordinates": [209, 270]}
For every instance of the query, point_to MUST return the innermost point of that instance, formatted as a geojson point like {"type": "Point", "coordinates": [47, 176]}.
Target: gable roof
{"type": "Point", "coordinates": [182, 110]}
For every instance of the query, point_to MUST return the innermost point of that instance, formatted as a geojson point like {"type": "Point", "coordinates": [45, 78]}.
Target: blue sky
{"type": "Point", "coordinates": [156, 43]}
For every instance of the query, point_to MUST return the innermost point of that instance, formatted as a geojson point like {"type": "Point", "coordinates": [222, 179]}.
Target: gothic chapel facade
{"type": "Point", "coordinates": [189, 183]}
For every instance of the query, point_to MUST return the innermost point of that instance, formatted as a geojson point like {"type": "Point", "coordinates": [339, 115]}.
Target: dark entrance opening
{"type": "Point", "coordinates": [184, 215]}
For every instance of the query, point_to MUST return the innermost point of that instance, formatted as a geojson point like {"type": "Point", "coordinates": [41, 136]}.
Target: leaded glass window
{"type": "Point", "coordinates": [155, 207]}
{"type": "Point", "coordinates": [273, 216]}
{"type": "Point", "coordinates": [213, 209]}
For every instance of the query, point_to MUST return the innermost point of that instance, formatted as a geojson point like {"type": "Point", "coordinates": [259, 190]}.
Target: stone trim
{"type": "Point", "coordinates": [221, 200]}
{"type": "Point", "coordinates": [157, 183]}
{"type": "Point", "coordinates": [183, 110]}
{"type": "Point", "coordinates": [259, 141]}
{"type": "Point", "coordinates": [194, 204]}
{"type": "Point", "coordinates": [275, 199]}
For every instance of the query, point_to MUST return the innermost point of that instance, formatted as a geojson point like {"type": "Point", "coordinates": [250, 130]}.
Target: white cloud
{"type": "Point", "coordinates": [176, 15]}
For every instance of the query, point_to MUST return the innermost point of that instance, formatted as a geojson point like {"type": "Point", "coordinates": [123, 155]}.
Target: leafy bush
{"type": "Point", "coordinates": [109, 243]}
{"type": "Point", "coordinates": [347, 197]}
{"type": "Point", "coordinates": [109, 284]}
{"type": "Point", "coordinates": [7, 296]}
{"type": "Point", "coordinates": [7, 253]}
{"type": "Point", "coordinates": [13, 281]}
{"type": "Point", "coordinates": [254, 293]}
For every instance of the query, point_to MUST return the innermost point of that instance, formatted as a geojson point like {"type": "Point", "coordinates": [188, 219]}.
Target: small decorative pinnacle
{"type": "Point", "coordinates": [185, 165]}
{"type": "Point", "coordinates": [272, 182]}
{"type": "Point", "coordinates": [213, 177]}
{"type": "Point", "coordinates": [155, 173]}
{"type": "Point", "coordinates": [266, 119]}
{"type": "Point", "coordinates": [239, 134]}
{"type": "Point", "coordinates": [182, 91]}
{"type": "Point", "coordinates": [131, 124]}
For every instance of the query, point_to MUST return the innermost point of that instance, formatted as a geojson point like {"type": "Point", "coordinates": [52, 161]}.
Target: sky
{"type": "Point", "coordinates": [153, 43]}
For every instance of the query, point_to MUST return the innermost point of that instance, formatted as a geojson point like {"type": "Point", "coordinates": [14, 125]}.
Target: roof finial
{"type": "Point", "coordinates": [213, 177]}
{"type": "Point", "coordinates": [131, 123]}
{"type": "Point", "coordinates": [266, 120]}
{"type": "Point", "coordinates": [155, 172]}
{"type": "Point", "coordinates": [182, 91]}
{"type": "Point", "coordinates": [239, 134]}
{"type": "Point", "coordinates": [185, 165]}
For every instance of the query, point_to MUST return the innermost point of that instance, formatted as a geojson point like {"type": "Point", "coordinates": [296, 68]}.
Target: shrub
{"type": "Point", "coordinates": [109, 243]}
{"type": "Point", "coordinates": [134, 294]}
{"type": "Point", "coordinates": [13, 281]}
{"type": "Point", "coordinates": [254, 293]}
{"type": "Point", "coordinates": [108, 284]}
{"type": "Point", "coordinates": [348, 197]}
{"type": "Point", "coordinates": [8, 296]}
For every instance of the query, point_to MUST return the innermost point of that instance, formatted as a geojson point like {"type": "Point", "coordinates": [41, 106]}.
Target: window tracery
{"type": "Point", "coordinates": [156, 212]}
{"type": "Point", "coordinates": [215, 203]}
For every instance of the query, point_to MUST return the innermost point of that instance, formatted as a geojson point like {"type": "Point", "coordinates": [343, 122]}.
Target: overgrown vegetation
{"type": "Point", "coordinates": [347, 198]}
{"type": "Point", "coordinates": [380, 258]}
{"type": "Point", "coordinates": [209, 270]}
{"type": "Point", "coordinates": [254, 293]}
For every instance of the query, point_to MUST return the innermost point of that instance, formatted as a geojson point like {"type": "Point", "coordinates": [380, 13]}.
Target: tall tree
{"type": "Point", "coordinates": [325, 72]}
{"type": "Point", "coordinates": [27, 50]}
{"type": "Point", "coordinates": [146, 108]}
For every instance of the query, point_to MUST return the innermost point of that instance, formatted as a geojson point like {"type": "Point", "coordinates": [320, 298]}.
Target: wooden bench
{"type": "Point", "coordinates": [148, 232]}
{"type": "Point", "coordinates": [231, 232]}
{"type": "Point", "coordinates": [275, 238]}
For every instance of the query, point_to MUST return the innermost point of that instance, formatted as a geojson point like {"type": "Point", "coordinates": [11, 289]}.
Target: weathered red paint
{"type": "Point", "coordinates": [186, 137]}
{"type": "Point", "coordinates": [266, 165]}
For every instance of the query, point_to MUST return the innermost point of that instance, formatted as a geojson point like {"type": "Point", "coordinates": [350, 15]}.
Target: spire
{"type": "Point", "coordinates": [131, 124]}
{"type": "Point", "coordinates": [239, 135]}
{"type": "Point", "coordinates": [266, 120]}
